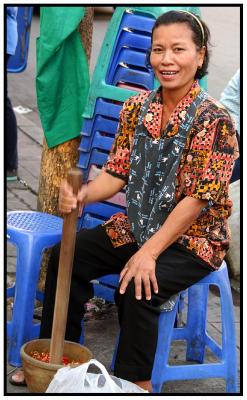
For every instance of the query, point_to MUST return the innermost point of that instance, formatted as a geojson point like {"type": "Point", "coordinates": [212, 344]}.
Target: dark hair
{"type": "Point", "coordinates": [173, 17]}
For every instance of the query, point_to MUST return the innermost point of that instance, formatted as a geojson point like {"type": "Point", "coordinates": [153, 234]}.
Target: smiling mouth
{"type": "Point", "coordinates": [168, 73]}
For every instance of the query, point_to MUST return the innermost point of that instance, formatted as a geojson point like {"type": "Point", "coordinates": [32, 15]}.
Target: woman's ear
{"type": "Point", "coordinates": [202, 53]}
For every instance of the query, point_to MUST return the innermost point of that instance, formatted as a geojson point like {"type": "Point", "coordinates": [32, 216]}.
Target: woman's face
{"type": "Point", "coordinates": [175, 57]}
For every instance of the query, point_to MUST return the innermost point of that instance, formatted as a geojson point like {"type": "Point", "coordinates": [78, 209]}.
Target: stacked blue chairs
{"type": "Point", "coordinates": [98, 134]}
{"type": "Point", "coordinates": [128, 62]}
{"type": "Point", "coordinates": [18, 62]}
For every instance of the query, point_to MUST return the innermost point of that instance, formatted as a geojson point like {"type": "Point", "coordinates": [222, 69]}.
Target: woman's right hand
{"type": "Point", "coordinates": [68, 201]}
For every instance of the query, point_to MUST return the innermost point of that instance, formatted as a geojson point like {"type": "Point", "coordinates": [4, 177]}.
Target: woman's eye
{"type": "Point", "coordinates": [178, 49]}
{"type": "Point", "coordinates": [157, 50]}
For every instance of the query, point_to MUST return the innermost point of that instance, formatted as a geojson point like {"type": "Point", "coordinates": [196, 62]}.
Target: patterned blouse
{"type": "Point", "coordinates": [204, 172]}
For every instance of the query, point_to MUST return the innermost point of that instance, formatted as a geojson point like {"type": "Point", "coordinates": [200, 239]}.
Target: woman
{"type": "Point", "coordinates": [175, 150]}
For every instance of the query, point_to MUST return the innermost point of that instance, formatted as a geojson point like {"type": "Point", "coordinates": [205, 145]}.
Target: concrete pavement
{"type": "Point", "coordinates": [101, 327]}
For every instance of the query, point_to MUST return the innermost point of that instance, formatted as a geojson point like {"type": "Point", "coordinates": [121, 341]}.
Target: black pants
{"type": "Point", "coordinates": [11, 136]}
{"type": "Point", "coordinates": [176, 269]}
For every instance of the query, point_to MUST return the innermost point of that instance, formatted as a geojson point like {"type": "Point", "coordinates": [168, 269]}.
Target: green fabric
{"type": "Point", "coordinates": [62, 78]}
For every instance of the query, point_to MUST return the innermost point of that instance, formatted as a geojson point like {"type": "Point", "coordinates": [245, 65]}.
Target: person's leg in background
{"type": "Point", "coordinates": [236, 171]}
{"type": "Point", "coordinates": [11, 141]}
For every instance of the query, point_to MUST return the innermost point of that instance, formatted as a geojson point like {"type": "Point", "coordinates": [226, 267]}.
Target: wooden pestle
{"type": "Point", "coordinates": [64, 274]}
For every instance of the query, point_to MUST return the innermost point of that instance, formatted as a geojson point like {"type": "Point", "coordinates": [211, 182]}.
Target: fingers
{"type": "Point", "coordinates": [147, 288]}
{"type": "Point", "coordinates": [147, 281]}
{"type": "Point", "coordinates": [125, 277]}
{"type": "Point", "coordinates": [123, 272]}
{"type": "Point", "coordinates": [154, 283]}
{"type": "Point", "coordinates": [81, 198]}
{"type": "Point", "coordinates": [67, 200]}
{"type": "Point", "coordinates": [141, 267]}
{"type": "Point", "coordinates": [138, 287]}
{"type": "Point", "coordinates": [82, 194]}
{"type": "Point", "coordinates": [80, 207]}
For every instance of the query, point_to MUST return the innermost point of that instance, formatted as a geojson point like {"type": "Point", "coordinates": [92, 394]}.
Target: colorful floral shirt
{"type": "Point", "coordinates": [204, 172]}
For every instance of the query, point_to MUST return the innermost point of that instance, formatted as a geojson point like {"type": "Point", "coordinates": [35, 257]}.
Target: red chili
{"type": "Point", "coordinates": [45, 357]}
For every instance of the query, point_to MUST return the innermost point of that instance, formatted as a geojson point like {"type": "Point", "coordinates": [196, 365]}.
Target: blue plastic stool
{"type": "Point", "coordinates": [197, 337]}
{"type": "Point", "coordinates": [31, 232]}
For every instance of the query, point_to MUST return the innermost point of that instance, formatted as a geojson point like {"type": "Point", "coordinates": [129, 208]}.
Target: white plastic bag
{"type": "Point", "coordinates": [78, 380]}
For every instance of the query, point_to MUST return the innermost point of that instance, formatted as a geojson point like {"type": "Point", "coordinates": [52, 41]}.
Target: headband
{"type": "Point", "coordinates": [197, 20]}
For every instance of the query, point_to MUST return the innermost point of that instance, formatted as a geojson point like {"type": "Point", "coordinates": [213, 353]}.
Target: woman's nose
{"type": "Point", "coordinates": [166, 57]}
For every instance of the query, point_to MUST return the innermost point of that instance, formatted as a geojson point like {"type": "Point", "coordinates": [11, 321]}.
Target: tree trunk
{"type": "Point", "coordinates": [56, 162]}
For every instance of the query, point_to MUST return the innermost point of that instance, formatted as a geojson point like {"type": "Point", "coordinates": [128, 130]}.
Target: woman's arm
{"type": "Point", "coordinates": [141, 266]}
{"type": "Point", "coordinates": [106, 184]}
{"type": "Point", "coordinates": [177, 223]}
{"type": "Point", "coordinates": [103, 187]}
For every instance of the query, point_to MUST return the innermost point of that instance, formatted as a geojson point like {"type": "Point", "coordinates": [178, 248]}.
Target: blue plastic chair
{"type": "Point", "coordinates": [96, 157]}
{"type": "Point", "coordinates": [31, 232]}
{"type": "Point", "coordinates": [137, 21]}
{"type": "Point", "coordinates": [100, 124]}
{"type": "Point", "coordinates": [108, 107]}
{"type": "Point", "coordinates": [132, 41]}
{"type": "Point", "coordinates": [18, 62]}
{"type": "Point", "coordinates": [96, 141]}
{"type": "Point", "coordinates": [125, 74]}
{"type": "Point", "coordinates": [197, 338]}
{"type": "Point", "coordinates": [133, 59]}
{"type": "Point", "coordinates": [104, 110]}
{"type": "Point", "coordinates": [103, 210]}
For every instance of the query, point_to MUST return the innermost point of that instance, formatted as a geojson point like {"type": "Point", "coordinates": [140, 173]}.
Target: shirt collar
{"type": "Point", "coordinates": [152, 119]}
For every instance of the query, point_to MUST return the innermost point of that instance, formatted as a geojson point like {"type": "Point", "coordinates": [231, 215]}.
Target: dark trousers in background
{"type": "Point", "coordinates": [236, 171]}
{"type": "Point", "coordinates": [176, 269]}
{"type": "Point", "coordinates": [11, 136]}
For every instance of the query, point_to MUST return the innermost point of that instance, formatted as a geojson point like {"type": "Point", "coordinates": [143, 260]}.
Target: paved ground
{"type": "Point", "coordinates": [101, 327]}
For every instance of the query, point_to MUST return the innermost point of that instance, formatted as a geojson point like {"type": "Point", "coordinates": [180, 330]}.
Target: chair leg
{"type": "Point", "coordinates": [196, 322]}
{"type": "Point", "coordinates": [115, 353]}
{"type": "Point", "coordinates": [165, 330]}
{"type": "Point", "coordinates": [82, 338]}
{"type": "Point", "coordinates": [228, 335]}
{"type": "Point", "coordinates": [22, 329]}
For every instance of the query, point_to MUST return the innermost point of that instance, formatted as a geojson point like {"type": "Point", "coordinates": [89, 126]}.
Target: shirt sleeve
{"type": "Point", "coordinates": [209, 166]}
{"type": "Point", "coordinates": [118, 162]}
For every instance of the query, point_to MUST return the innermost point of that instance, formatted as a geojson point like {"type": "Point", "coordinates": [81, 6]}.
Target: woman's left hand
{"type": "Point", "coordinates": [141, 267]}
